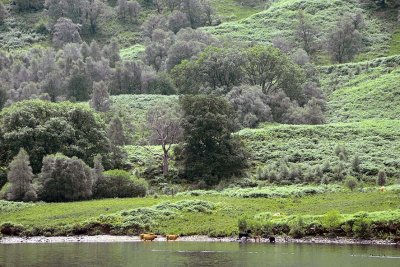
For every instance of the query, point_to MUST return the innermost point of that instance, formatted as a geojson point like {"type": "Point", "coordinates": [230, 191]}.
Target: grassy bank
{"type": "Point", "coordinates": [213, 215]}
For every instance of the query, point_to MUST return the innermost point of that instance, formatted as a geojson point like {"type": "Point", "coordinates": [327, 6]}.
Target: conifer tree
{"type": "Point", "coordinates": [20, 175]}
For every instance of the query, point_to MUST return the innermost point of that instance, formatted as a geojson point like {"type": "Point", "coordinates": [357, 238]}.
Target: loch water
{"type": "Point", "coordinates": [197, 254]}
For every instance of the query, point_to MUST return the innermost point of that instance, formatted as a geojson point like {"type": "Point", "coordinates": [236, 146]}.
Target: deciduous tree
{"type": "Point", "coordinates": [164, 123]}
{"type": "Point", "coordinates": [344, 40]}
{"type": "Point", "coordinates": [210, 152]}
{"type": "Point", "coordinates": [65, 179]}
{"type": "Point", "coordinates": [100, 100]}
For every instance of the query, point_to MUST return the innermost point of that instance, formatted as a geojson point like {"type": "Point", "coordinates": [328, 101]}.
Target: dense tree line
{"type": "Point", "coordinates": [63, 140]}
{"type": "Point", "coordinates": [261, 82]}
{"type": "Point", "coordinates": [71, 73]}
{"type": "Point", "coordinates": [44, 128]}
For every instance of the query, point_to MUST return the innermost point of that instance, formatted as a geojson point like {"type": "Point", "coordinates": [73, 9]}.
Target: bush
{"type": "Point", "coordinates": [3, 176]}
{"type": "Point", "coordinates": [5, 190]}
{"type": "Point", "coordinates": [361, 227]}
{"type": "Point", "coordinates": [64, 179]}
{"type": "Point", "coordinates": [118, 183]}
{"type": "Point", "coordinates": [331, 220]}
{"type": "Point", "coordinates": [351, 182]}
{"type": "Point", "coordinates": [242, 224]}
{"type": "Point", "coordinates": [297, 227]}
{"type": "Point", "coordinates": [8, 228]}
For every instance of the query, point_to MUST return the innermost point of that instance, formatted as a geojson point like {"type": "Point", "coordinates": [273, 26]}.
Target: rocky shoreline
{"type": "Point", "coordinates": [199, 238]}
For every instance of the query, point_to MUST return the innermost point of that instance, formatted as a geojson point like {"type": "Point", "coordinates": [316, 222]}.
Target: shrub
{"type": "Point", "coordinates": [351, 182]}
{"type": "Point", "coordinates": [242, 224]}
{"type": "Point", "coordinates": [3, 176]}
{"type": "Point", "coordinates": [65, 179]}
{"type": "Point", "coordinates": [355, 164]}
{"type": "Point", "coordinates": [331, 220]}
{"type": "Point", "coordinates": [361, 227]}
{"type": "Point", "coordinates": [297, 227]}
{"type": "Point", "coordinates": [8, 228]}
{"type": "Point", "coordinates": [119, 183]}
{"type": "Point", "coordinates": [5, 190]}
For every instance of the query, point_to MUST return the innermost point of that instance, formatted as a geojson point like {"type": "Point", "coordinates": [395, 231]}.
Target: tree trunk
{"type": "Point", "coordinates": [165, 163]}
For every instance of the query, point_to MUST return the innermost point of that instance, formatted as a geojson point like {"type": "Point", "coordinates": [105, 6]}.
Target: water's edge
{"type": "Point", "coordinates": [111, 239]}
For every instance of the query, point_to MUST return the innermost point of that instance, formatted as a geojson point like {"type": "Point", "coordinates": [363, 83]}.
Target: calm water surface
{"type": "Point", "coordinates": [197, 254]}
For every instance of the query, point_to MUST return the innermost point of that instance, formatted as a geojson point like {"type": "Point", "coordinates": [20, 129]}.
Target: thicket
{"type": "Point", "coordinates": [359, 225]}
{"type": "Point", "coordinates": [64, 179]}
{"type": "Point", "coordinates": [119, 183]}
{"type": "Point", "coordinates": [44, 128]}
{"type": "Point", "coordinates": [323, 154]}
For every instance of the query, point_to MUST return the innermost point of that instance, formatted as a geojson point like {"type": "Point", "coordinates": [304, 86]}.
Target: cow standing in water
{"type": "Point", "coordinates": [244, 236]}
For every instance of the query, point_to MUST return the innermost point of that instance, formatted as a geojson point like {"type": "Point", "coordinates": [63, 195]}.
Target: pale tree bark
{"type": "Point", "coordinates": [164, 123]}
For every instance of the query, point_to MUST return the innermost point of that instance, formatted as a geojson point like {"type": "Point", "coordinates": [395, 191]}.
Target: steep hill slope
{"type": "Point", "coordinates": [376, 142]}
{"type": "Point", "coordinates": [371, 95]}
{"type": "Point", "coordinates": [280, 18]}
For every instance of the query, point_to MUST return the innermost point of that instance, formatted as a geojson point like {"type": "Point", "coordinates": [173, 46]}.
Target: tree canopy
{"type": "Point", "coordinates": [210, 152]}
{"type": "Point", "coordinates": [44, 128]}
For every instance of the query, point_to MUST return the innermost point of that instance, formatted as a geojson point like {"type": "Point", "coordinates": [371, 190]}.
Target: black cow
{"type": "Point", "coordinates": [247, 234]}
{"type": "Point", "coordinates": [271, 239]}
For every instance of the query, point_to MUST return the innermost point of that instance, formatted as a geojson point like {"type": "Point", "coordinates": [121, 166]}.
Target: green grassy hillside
{"type": "Point", "coordinates": [376, 142]}
{"type": "Point", "coordinates": [280, 18]}
{"type": "Point", "coordinates": [371, 95]}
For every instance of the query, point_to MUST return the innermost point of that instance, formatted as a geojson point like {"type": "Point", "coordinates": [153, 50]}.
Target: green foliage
{"type": "Point", "coordinates": [232, 10]}
{"type": "Point", "coordinates": [297, 226]}
{"type": "Point", "coordinates": [65, 179]}
{"type": "Point", "coordinates": [375, 141]}
{"type": "Point", "coordinates": [20, 177]}
{"type": "Point", "coordinates": [221, 214]}
{"type": "Point", "coordinates": [267, 192]}
{"type": "Point", "coordinates": [210, 152]}
{"type": "Point", "coordinates": [351, 182]}
{"type": "Point", "coordinates": [362, 226]}
{"type": "Point", "coordinates": [279, 20]}
{"type": "Point", "coordinates": [381, 180]}
{"type": "Point", "coordinates": [43, 128]}
{"type": "Point", "coordinates": [3, 176]}
{"type": "Point", "coordinates": [5, 190]}
{"type": "Point", "coordinates": [9, 206]}
{"type": "Point", "coordinates": [132, 110]}
{"type": "Point", "coordinates": [242, 224]}
{"type": "Point", "coordinates": [331, 220]}
{"type": "Point", "coordinates": [366, 97]}
{"type": "Point", "coordinates": [118, 183]}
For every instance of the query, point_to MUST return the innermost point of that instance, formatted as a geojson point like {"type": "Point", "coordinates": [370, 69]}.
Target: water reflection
{"type": "Point", "coordinates": [196, 254]}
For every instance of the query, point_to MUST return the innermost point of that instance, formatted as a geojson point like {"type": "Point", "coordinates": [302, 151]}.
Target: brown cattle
{"type": "Point", "coordinates": [172, 237]}
{"type": "Point", "coordinates": [148, 237]}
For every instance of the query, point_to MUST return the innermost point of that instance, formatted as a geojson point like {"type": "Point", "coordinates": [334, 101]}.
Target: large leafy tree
{"type": "Point", "coordinates": [65, 179]}
{"type": "Point", "coordinates": [267, 67]}
{"type": "Point", "coordinates": [43, 128]}
{"type": "Point", "coordinates": [210, 152]}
